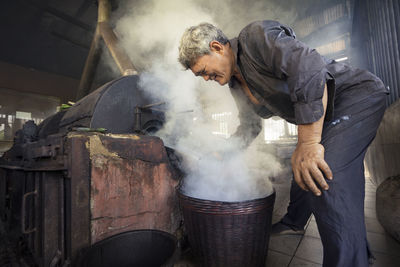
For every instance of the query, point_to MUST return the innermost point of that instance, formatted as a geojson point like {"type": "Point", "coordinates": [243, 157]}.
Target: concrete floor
{"type": "Point", "coordinates": [295, 251]}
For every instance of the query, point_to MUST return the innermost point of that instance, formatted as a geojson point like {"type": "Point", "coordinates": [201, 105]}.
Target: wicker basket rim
{"type": "Point", "coordinates": [181, 194]}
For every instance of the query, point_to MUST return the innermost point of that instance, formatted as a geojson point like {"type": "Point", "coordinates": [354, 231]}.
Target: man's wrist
{"type": "Point", "coordinates": [308, 142]}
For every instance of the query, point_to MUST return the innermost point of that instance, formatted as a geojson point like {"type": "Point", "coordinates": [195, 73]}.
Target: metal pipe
{"type": "Point", "coordinates": [138, 120]}
{"type": "Point", "coordinates": [90, 66]}
{"type": "Point", "coordinates": [103, 15]}
{"type": "Point", "coordinates": [103, 30]}
{"type": "Point", "coordinates": [122, 60]}
{"type": "Point", "coordinates": [156, 109]}
{"type": "Point", "coordinates": [185, 111]}
{"type": "Point", "coordinates": [153, 105]}
{"type": "Point", "coordinates": [104, 11]}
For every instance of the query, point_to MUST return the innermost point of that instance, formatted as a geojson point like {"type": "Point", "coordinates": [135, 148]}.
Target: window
{"type": "Point", "coordinates": [17, 107]}
{"type": "Point", "coordinates": [222, 120]}
{"type": "Point", "coordinates": [279, 130]}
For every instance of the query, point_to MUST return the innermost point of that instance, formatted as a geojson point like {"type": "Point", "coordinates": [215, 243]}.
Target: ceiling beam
{"type": "Point", "coordinates": [59, 14]}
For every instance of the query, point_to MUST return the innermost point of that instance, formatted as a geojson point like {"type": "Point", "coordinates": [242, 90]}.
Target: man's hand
{"type": "Point", "coordinates": [308, 162]}
{"type": "Point", "coordinates": [308, 166]}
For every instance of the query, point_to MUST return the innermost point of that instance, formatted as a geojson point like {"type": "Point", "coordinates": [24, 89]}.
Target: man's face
{"type": "Point", "coordinates": [216, 66]}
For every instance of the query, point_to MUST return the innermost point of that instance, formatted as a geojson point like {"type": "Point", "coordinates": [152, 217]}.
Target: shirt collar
{"type": "Point", "coordinates": [234, 46]}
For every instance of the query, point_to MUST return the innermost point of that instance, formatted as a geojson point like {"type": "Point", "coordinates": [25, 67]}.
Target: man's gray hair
{"type": "Point", "coordinates": [195, 42]}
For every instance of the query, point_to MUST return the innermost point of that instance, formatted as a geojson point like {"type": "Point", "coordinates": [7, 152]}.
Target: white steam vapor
{"type": "Point", "coordinates": [150, 32]}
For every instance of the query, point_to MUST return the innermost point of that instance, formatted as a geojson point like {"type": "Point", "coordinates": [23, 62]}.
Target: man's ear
{"type": "Point", "coordinates": [217, 47]}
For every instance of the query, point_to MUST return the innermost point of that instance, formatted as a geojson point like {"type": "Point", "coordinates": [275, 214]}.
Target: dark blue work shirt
{"type": "Point", "coordinates": [288, 78]}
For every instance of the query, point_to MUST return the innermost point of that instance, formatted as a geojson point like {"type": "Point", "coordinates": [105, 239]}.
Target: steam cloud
{"type": "Point", "coordinates": [150, 32]}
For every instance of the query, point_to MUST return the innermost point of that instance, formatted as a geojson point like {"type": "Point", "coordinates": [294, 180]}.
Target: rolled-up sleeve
{"type": "Point", "coordinates": [303, 68]}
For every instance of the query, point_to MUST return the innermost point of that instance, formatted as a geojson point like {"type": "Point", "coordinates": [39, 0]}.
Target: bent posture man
{"type": "Point", "coordinates": [337, 109]}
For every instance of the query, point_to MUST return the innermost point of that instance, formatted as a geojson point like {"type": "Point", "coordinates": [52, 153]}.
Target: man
{"type": "Point", "coordinates": [337, 109]}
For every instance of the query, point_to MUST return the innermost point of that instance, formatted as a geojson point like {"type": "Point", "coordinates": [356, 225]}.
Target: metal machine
{"type": "Point", "coordinates": [65, 186]}
{"type": "Point", "coordinates": [90, 171]}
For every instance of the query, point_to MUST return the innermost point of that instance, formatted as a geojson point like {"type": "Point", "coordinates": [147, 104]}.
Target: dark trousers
{"type": "Point", "coordinates": [339, 212]}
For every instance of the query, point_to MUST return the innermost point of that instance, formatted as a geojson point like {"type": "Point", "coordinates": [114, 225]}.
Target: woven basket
{"type": "Point", "coordinates": [228, 233]}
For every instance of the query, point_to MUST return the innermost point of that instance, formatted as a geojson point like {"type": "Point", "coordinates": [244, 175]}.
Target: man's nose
{"type": "Point", "coordinates": [206, 77]}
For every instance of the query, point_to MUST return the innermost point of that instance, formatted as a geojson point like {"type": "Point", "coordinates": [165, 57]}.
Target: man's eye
{"type": "Point", "coordinates": [201, 73]}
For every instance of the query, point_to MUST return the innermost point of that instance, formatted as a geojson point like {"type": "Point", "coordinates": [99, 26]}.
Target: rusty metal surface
{"type": "Point", "coordinates": [136, 147]}
{"type": "Point", "coordinates": [116, 99]}
{"type": "Point", "coordinates": [39, 193]}
{"type": "Point", "coordinates": [132, 186]}
{"type": "Point", "coordinates": [115, 109]}
{"type": "Point", "coordinates": [45, 154]}
{"type": "Point", "coordinates": [11, 211]}
{"type": "Point", "coordinates": [78, 190]}
{"type": "Point", "coordinates": [82, 109]}
{"type": "Point", "coordinates": [87, 186]}
{"type": "Point", "coordinates": [3, 195]}
{"type": "Point", "coordinates": [50, 125]}
{"type": "Point", "coordinates": [52, 194]}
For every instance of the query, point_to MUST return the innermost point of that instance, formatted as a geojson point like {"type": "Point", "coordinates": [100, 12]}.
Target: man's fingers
{"type": "Point", "coordinates": [325, 168]}
{"type": "Point", "coordinates": [317, 175]}
{"type": "Point", "coordinates": [297, 178]}
{"type": "Point", "coordinates": [310, 183]}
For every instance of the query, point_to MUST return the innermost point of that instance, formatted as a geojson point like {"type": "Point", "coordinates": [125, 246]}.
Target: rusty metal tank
{"type": "Point", "coordinates": [114, 106]}
{"type": "Point", "coordinates": [63, 189]}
